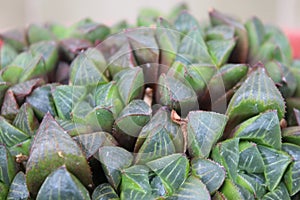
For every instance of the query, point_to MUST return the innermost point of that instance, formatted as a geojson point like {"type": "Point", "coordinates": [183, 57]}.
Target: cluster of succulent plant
{"type": "Point", "coordinates": [169, 109]}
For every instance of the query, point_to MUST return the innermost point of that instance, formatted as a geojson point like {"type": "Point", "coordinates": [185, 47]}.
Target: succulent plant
{"type": "Point", "coordinates": [170, 109]}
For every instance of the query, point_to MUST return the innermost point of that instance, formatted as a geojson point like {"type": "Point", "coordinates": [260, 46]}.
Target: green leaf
{"type": "Point", "coordinates": [37, 33]}
{"type": "Point", "coordinates": [218, 196]}
{"type": "Point", "coordinates": [231, 191]}
{"type": "Point", "coordinates": [3, 88]}
{"type": "Point", "coordinates": [291, 134]}
{"type": "Point", "coordinates": [257, 94]}
{"type": "Point", "coordinates": [172, 170]}
{"type": "Point", "coordinates": [276, 162]}
{"type": "Point", "coordinates": [7, 55]}
{"type": "Point", "coordinates": [22, 148]}
{"type": "Point", "coordinates": [210, 173]}
{"type": "Point", "coordinates": [185, 23]}
{"type": "Point", "coordinates": [158, 189]}
{"type": "Point", "coordinates": [241, 50]}
{"type": "Point", "coordinates": [91, 142]}
{"type": "Point", "coordinates": [177, 95]}
{"type": "Point", "coordinates": [18, 188]}
{"type": "Point", "coordinates": [147, 17]}
{"type": "Point", "coordinates": [249, 183]}
{"type": "Point", "coordinates": [135, 183]}
{"type": "Point", "coordinates": [10, 107]}
{"type": "Point", "coordinates": [61, 184]}
{"type": "Point", "coordinates": [279, 193]}
{"type": "Point", "coordinates": [133, 117]}
{"type": "Point", "coordinates": [52, 148]}
{"type": "Point", "coordinates": [130, 83]}
{"type": "Point", "coordinates": [227, 154]}
{"type": "Point", "coordinates": [8, 166]}
{"type": "Point", "coordinates": [10, 135]}
{"type": "Point", "coordinates": [157, 144]}
{"type": "Point", "coordinates": [193, 49]}
{"type": "Point", "coordinates": [161, 118]}
{"type": "Point", "coordinates": [104, 192]}
{"type": "Point", "coordinates": [113, 160]}
{"type": "Point", "coordinates": [250, 159]}
{"type": "Point", "coordinates": [191, 189]}
{"type": "Point", "coordinates": [22, 90]}
{"type": "Point", "coordinates": [3, 190]}
{"type": "Point", "coordinates": [15, 38]}
{"type": "Point", "coordinates": [291, 177]}
{"type": "Point", "coordinates": [220, 50]}
{"type": "Point", "coordinates": [263, 129]}
{"type": "Point", "coordinates": [65, 97]}
{"type": "Point", "coordinates": [25, 120]}
{"type": "Point", "coordinates": [84, 71]}
{"type": "Point", "coordinates": [204, 129]}
{"type": "Point", "coordinates": [220, 32]}
{"type": "Point", "coordinates": [168, 41]}
{"type": "Point", "coordinates": [41, 100]}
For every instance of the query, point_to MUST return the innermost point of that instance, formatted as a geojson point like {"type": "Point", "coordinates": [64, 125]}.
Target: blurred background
{"type": "Point", "coordinates": [19, 13]}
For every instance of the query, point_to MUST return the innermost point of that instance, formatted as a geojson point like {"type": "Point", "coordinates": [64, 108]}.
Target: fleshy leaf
{"type": "Point", "coordinates": [62, 184]}
{"type": "Point", "coordinates": [291, 177]}
{"type": "Point", "coordinates": [227, 154]}
{"type": "Point", "coordinates": [257, 94]}
{"type": "Point", "coordinates": [65, 97]}
{"type": "Point", "coordinates": [16, 38]}
{"type": "Point", "coordinates": [250, 184]}
{"type": "Point", "coordinates": [84, 71]}
{"type": "Point", "coordinates": [231, 191]}
{"type": "Point", "coordinates": [7, 55]}
{"type": "Point", "coordinates": [25, 120]}
{"type": "Point", "coordinates": [41, 100]}
{"type": "Point", "coordinates": [113, 160]}
{"type": "Point", "coordinates": [250, 159]}
{"type": "Point", "coordinates": [176, 94]}
{"type": "Point", "coordinates": [220, 32]}
{"type": "Point", "coordinates": [157, 144]}
{"type": "Point", "coordinates": [220, 50]}
{"type": "Point", "coordinates": [10, 135]}
{"type": "Point", "coordinates": [8, 168]}
{"type": "Point", "coordinates": [18, 188]}
{"type": "Point", "coordinates": [10, 107]}
{"type": "Point", "coordinates": [130, 84]}
{"type": "Point", "coordinates": [135, 183]}
{"type": "Point", "coordinates": [279, 193]}
{"type": "Point", "coordinates": [104, 192]}
{"type": "Point", "coordinates": [204, 129]}
{"type": "Point", "coordinates": [172, 170]}
{"type": "Point", "coordinates": [185, 22]}
{"type": "Point", "coordinates": [276, 162]}
{"type": "Point", "coordinates": [191, 189]}
{"type": "Point", "coordinates": [37, 33]}
{"type": "Point", "coordinates": [22, 148]}
{"type": "Point", "coordinates": [211, 174]}
{"type": "Point", "coordinates": [91, 142]}
{"type": "Point", "coordinates": [263, 129]}
{"type": "Point", "coordinates": [52, 148]}
{"type": "Point", "coordinates": [158, 189]}
{"type": "Point", "coordinates": [291, 134]}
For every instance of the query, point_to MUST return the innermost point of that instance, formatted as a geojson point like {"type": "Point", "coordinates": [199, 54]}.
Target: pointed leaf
{"type": "Point", "coordinates": [185, 22]}
{"type": "Point", "coordinates": [250, 159]}
{"type": "Point", "coordinates": [8, 168]}
{"type": "Point", "coordinates": [249, 183]}
{"type": "Point", "coordinates": [291, 134]}
{"type": "Point", "coordinates": [204, 129]}
{"type": "Point", "coordinates": [18, 188]}
{"type": "Point", "coordinates": [279, 193]}
{"type": "Point", "coordinates": [90, 143]}
{"type": "Point", "coordinates": [157, 144]}
{"type": "Point", "coordinates": [220, 32]}
{"type": "Point", "coordinates": [276, 163]}
{"type": "Point", "coordinates": [65, 97]}
{"type": "Point", "coordinates": [25, 120]}
{"type": "Point", "coordinates": [172, 170]}
{"type": "Point", "coordinates": [10, 107]}
{"type": "Point", "coordinates": [113, 160]}
{"type": "Point", "coordinates": [7, 55]}
{"type": "Point", "coordinates": [104, 192]}
{"type": "Point", "coordinates": [227, 154]}
{"type": "Point", "coordinates": [210, 173]}
{"type": "Point", "coordinates": [41, 100]}
{"type": "Point", "coordinates": [37, 33]}
{"type": "Point", "coordinates": [51, 148]}
{"type": "Point", "coordinates": [257, 94]}
{"type": "Point", "coordinates": [130, 84]}
{"type": "Point", "coordinates": [62, 184]}
{"type": "Point", "coordinates": [263, 129]}
{"type": "Point", "coordinates": [220, 50]}
{"type": "Point", "coordinates": [22, 148]}
{"type": "Point", "coordinates": [231, 191]}
{"type": "Point", "coordinates": [135, 183]}
{"type": "Point", "coordinates": [291, 177]}
{"type": "Point", "coordinates": [191, 189]}
{"type": "Point", "coordinates": [9, 135]}
{"type": "Point", "coordinates": [16, 38]}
